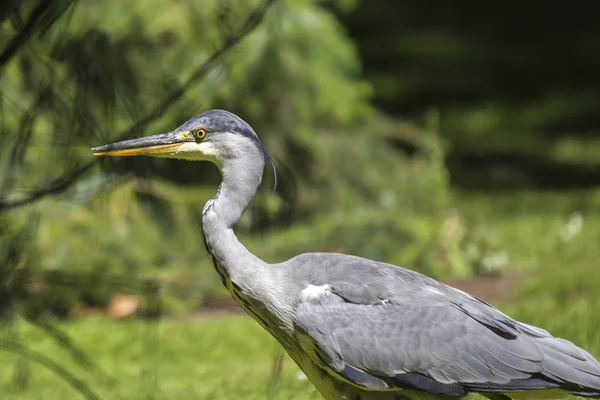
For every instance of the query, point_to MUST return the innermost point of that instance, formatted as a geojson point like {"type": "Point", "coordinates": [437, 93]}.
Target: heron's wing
{"type": "Point", "coordinates": [437, 346]}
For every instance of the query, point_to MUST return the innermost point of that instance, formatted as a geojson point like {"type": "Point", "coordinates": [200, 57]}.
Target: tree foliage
{"type": "Point", "coordinates": [95, 72]}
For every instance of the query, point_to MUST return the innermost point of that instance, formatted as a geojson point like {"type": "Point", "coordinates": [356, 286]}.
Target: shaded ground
{"type": "Point", "coordinates": [490, 288]}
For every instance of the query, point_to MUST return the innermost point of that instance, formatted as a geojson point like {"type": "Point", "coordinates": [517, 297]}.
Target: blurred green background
{"type": "Point", "coordinates": [457, 139]}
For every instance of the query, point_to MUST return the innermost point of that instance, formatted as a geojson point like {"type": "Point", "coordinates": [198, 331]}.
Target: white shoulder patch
{"type": "Point", "coordinates": [313, 292]}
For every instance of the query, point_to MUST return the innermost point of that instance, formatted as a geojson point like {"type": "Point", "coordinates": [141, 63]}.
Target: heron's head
{"type": "Point", "coordinates": [215, 135]}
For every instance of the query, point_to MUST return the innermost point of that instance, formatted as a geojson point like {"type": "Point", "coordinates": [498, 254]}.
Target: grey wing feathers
{"type": "Point", "coordinates": [437, 346]}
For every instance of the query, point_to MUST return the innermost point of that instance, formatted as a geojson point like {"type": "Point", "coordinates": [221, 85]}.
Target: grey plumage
{"type": "Point", "coordinates": [414, 325]}
{"type": "Point", "coordinates": [361, 329]}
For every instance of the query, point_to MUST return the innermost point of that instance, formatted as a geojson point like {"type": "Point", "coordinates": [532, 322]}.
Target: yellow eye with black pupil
{"type": "Point", "coordinates": [199, 134]}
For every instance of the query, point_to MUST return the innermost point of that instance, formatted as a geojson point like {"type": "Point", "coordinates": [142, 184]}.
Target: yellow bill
{"type": "Point", "coordinates": [157, 145]}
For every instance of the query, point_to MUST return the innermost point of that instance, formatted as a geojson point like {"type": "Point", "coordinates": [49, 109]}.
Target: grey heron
{"type": "Point", "coordinates": [361, 329]}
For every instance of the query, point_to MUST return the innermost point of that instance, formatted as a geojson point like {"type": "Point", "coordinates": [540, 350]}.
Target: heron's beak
{"type": "Point", "coordinates": [164, 144]}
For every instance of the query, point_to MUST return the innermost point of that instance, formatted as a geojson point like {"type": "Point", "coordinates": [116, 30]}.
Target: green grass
{"type": "Point", "coordinates": [529, 225]}
{"type": "Point", "coordinates": [204, 358]}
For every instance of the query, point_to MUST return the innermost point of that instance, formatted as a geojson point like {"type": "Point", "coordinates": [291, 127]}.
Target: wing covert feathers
{"type": "Point", "coordinates": [441, 347]}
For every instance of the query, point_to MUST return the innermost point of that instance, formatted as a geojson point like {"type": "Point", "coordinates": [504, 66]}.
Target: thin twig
{"type": "Point", "coordinates": [276, 370]}
{"type": "Point", "coordinates": [64, 341]}
{"type": "Point", "coordinates": [40, 359]}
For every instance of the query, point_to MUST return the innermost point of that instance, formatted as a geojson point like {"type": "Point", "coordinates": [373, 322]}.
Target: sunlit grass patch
{"type": "Point", "coordinates": [204, 358]}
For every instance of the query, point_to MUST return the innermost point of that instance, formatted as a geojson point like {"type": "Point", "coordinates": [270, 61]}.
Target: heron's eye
{"type": "Point", "coordinates": [199, 134]}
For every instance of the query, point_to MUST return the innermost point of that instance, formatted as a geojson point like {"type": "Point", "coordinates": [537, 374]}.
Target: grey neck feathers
{"type": "Point", "coordinates": [258, 281]}
{"type": "Point", "coordinates": [240, 182]}
{"type": "Point", "coordinates": [241, 170]}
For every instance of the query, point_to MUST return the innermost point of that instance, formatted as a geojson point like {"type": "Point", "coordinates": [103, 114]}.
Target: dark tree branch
{"type": "Point", "coordinates": [251, 23]}
{"type": "Point", "coordinates": [57, 186]}
{"type": "Point", "coordinates": [21, 145]}
{"type": "Point", "coordinates": [64, 182]}
{"type": "Point", "coordinates": [120, 283]}
{"type": "Point", "coordinates": [28, 30]}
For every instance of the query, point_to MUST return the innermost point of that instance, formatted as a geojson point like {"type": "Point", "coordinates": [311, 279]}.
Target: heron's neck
{"type": "Point", "coordinates": [239, 185]}
{"type": "Point", "coordinates": [249, 279]}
